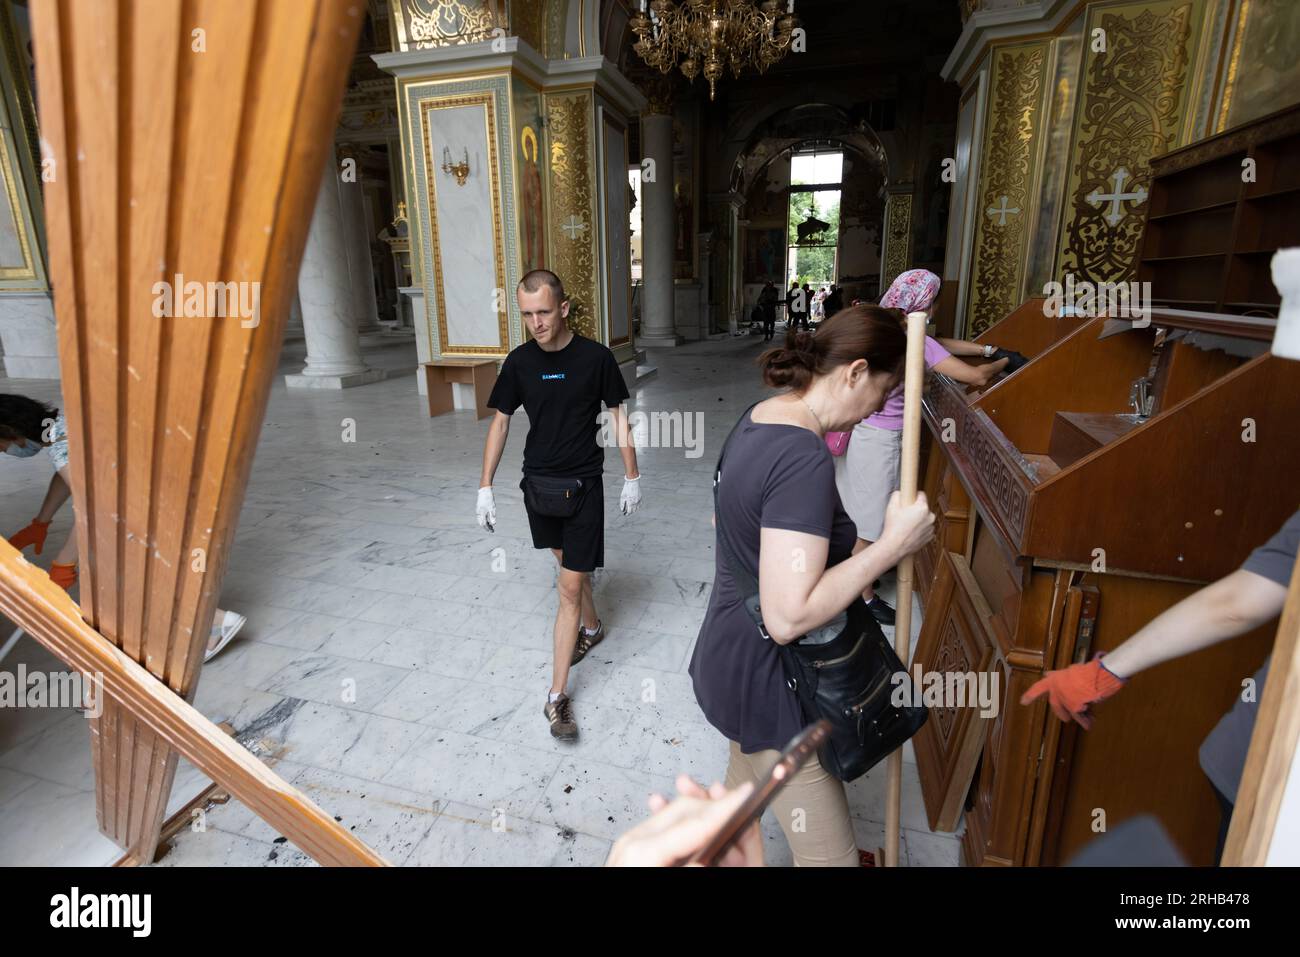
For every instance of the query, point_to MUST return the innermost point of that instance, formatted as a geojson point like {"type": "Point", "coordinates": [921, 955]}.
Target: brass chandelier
{"type": "Point", "coordinates": [710, 35]}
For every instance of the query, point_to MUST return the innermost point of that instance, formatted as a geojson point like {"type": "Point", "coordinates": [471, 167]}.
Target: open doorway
{"type": "Point", "coordinates": [813, 220]}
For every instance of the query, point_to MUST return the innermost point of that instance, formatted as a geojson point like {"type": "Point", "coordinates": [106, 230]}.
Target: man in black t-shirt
{"type": "Point", "coordinates": [561, 379]}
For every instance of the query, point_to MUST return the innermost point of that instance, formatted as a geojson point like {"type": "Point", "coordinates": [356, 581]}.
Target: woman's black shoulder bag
{"type": "Point", "coordinates": [852, 680]}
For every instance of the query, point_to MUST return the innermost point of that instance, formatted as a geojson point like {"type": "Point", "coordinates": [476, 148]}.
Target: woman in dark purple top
{"type": "Point", "coordinates": [781, 515]}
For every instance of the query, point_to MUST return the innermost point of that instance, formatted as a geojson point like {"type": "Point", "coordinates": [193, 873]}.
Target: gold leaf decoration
{"type": "Point", "coordinates": [1130, 110]}
{"type": "Point", "coordinates": [571, 223]}
{"type": "Point", "coordinates": [1006, 174]}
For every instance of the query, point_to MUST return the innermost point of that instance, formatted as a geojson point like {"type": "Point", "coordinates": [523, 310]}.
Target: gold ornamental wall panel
{"type": "Point", "coordinates": [1132, 107]}
{"type": "Point", "coordinates": [1263, 68]}
{"type": "Point", "coordinates": [898, 236]}
{"type": "Point", "coordinates": [426, 24]}
{"type": "Point", "coordinates": [528, 22]}
{"type": "Point", "coordinates": [1007, 180]}
{"type": "Point", "coordinates": [571, 222]}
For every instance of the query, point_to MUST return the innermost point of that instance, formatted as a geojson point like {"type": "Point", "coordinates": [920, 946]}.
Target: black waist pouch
{"type": "Point", "coordinates": [553, 497]}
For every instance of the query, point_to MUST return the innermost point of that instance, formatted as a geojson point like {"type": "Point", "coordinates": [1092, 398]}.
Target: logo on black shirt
{"type": "Point", "coordinates": [552, 375]}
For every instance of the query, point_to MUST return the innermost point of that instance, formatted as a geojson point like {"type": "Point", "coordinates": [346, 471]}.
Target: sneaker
{"type": "Point", "coordinates": [560, 714]}
{"type": "Point", "coordinates": [586, 642]}
{"type": "Point", "coordinates": [881, 610]}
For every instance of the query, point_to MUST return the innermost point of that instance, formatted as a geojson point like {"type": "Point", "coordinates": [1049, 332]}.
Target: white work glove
{"type": "Point", "coordinates": [486, 508]}
{"type": "Point", "coordinates": [630, 500]}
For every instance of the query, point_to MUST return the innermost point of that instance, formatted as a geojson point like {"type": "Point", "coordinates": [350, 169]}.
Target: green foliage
{"type": "Point", "coordinates": [815, 264]}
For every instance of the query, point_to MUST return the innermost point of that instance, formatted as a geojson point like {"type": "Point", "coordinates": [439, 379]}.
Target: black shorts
{"type": "Point", "coordinates": [582, 537]}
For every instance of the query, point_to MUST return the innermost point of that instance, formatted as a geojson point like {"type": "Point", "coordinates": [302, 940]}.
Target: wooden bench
{"type": "Point", "coordinates": [441, 373]}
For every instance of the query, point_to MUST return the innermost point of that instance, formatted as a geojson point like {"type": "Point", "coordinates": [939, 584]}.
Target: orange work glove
{"type": "Point", "coordinates": [64, 575]}
{"type": "Point", "coordinates": [1071, 690]}
{"type": "Point", "coordinates": [33, 534]}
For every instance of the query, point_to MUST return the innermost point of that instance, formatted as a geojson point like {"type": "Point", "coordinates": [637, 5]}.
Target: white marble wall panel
{"type": "Point", "coordinates": [467, 242]}
{"type": "Point", "coordinates": [31, 344]}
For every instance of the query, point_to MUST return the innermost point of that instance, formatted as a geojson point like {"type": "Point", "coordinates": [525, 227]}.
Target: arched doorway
{"type": "Point", "coordinates": [811, 161]}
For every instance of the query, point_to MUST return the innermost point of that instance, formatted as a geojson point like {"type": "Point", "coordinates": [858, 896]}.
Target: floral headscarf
{"type": "Point", "coordinates": [912, 291]}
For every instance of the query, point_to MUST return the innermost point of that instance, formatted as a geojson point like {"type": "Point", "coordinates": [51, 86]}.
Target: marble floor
{"type": "Point", "coordinates": [396, 657]}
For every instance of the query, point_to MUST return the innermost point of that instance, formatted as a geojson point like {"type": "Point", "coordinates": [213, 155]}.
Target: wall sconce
{"type": "Point", "coordinates": [459, 170]}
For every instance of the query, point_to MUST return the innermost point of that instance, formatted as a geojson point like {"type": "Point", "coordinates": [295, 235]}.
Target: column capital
{"type": "Point", "coordinates": [658, 89]}
{"type": "Point", "coordinates": [987, 21]}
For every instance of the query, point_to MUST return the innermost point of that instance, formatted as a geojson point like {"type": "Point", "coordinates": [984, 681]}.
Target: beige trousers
{"type": "Point", "coordinates": [812, 809]}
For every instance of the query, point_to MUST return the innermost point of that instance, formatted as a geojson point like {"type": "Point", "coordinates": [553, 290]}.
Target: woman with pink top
{"type": "Point", "coordinates": [868, 472]}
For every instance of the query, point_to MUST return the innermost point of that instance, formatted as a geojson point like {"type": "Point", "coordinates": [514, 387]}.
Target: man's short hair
{"type": "Point", "coordinates": [537, 278]}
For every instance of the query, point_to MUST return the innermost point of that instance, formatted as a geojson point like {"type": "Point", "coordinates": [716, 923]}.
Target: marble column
{"type": "Point", "coordinates": [293, 326]}
{"type": "Point", "coordinates": [325, 292]}
{"type": "Point", "coordinates": [658, 323]}
{"type": "Point", "coordinates": [355, 234]}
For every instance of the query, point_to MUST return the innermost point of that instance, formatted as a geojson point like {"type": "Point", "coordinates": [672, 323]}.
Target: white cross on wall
{"type": "Point", "coordinates": [573, 226]}
{"type": "Point", "coordinates": [1003, 212]}
{"type": "Point", "coordinates": [1097, 197]}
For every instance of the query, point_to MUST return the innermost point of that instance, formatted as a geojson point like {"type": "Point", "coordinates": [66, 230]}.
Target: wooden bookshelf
{"type": "Point", "coordinates": [1210, 235]}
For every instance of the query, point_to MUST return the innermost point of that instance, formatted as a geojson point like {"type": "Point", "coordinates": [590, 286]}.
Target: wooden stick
{"type": "Point", "coordinates": [912, 385]}
{"type": "Point", "coordinates": [1273, 748]}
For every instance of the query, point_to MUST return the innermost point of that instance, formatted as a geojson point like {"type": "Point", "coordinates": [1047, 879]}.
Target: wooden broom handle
{"type": "Point", "coordinates": [913, 382]}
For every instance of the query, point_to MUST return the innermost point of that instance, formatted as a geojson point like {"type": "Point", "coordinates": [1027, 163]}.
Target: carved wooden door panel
{"type": "Point", "coordinates": [955, 639]}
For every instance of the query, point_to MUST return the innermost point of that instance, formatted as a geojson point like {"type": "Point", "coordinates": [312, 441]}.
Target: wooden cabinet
{"type": "Point", "coordinates": [1219, 209]}
{"type": "Point", "coordinates": [1065, 523]}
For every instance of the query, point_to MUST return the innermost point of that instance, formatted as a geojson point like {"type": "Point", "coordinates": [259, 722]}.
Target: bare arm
{"type": "Point", "coordinates": [968, 374]}
{"type": "Point", "coordinates": [625, 446]}
{"type": "Point", "coordinates": [962, 347]}
{"type": "Point", "coordinates": [1232, 606]}
{"type": "Point", "coordinates": [68, 553]}
{"type": "Point", "coordinates": [796, 590]}
{"type": "Point", "coordinates": [498, 432]}
{"type": "Point", "coordinates": [55, 496]}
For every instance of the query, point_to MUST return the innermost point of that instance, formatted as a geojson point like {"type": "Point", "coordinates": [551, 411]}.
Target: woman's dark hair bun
{"type": "Point", "coordinates": [793, 364]}
{"type": "Point", "coordinates": [860, 332]}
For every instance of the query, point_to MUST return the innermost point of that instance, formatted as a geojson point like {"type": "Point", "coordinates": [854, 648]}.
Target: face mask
{"type": "Point", "coordinates": [23, 451]}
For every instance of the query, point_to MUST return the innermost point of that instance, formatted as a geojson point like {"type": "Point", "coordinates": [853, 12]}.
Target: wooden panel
{"type": "Point", "coordinates": [1076, 434]}
{"type": "Point", "coordinates": [1241, 487]}
{"type": "Point", "coordinates": [1080, 373]}
{"type": "Point", "coordinates": [951, 505]}
{"type": "Point", "coordinates": [172, 163]}
{"type": "Point", "coordinates": [1027, 329]}
{"type": "Point", "coordinates": [998, 825]}
{"type": "Point", "coordinates": [989, 467]}
{"type": "Point", "coordinates": [1175, 705]}
{"type": "Point", "coordinates": [954, 640]}
{"type": "Point", "coordinates": [999, 585]}
{"type": "Point", "coordinates": [1184, 370]}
